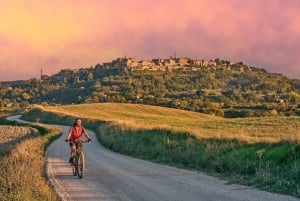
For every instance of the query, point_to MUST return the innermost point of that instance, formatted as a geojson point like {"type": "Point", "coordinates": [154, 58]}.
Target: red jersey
{"type": "Point", "coordinates": [77, 132]}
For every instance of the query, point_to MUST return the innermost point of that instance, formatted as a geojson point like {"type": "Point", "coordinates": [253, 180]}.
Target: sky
{"type": "Point", "coordinates": [59, 34]}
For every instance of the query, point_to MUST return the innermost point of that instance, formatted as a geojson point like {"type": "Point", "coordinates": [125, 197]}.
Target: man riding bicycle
{"type": "Point", "coordinates": [74, 135]}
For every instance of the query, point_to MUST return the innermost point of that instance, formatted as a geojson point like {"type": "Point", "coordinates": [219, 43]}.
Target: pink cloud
{"type": "Point", "coordinates": [63, 34]}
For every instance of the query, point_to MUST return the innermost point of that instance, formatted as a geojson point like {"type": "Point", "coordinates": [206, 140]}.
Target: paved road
{"type": "Point", "coordinates": [110, 176]}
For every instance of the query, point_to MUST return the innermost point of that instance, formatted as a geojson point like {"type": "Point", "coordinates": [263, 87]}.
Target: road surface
{"type": "Point", "coordinates": [110, 176]}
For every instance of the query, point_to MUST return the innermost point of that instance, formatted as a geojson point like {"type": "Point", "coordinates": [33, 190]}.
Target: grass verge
{"type": "Point", "coordinates": [22, 170]}
{"type": "Point", "coordinates": [269, 166]}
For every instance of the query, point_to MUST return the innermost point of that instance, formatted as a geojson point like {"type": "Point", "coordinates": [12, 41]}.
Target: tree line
{"type": "Point", "coordinates": [234, 91]}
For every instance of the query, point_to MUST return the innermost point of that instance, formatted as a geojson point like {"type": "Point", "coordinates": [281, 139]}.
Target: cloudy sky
{"type": "Point", "coordinates": [57, 34]}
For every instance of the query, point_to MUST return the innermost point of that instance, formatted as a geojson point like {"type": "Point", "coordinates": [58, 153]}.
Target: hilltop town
{"type": "Point", "coordinates": [130, 63]}
{"type": "Point", "coordinates": [170, 64]}
{"type": "Point", "coordinates": [160, 64]}
{"type": "Point", "coordinates": [157, 64]}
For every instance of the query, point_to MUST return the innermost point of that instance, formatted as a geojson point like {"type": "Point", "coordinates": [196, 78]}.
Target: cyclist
{"type": "Point", "coordinates": [75, 134]}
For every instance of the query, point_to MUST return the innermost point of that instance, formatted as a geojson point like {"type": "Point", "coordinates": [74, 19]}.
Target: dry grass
{"type": "Point", "coordinates": [22, 168]}
{"type": "Point", "coordinates": [5, 113]}
{"type": "Point", "coordinates": [134, 116]}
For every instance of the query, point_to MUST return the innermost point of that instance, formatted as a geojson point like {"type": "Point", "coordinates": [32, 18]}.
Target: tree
{"type": "Point", "coordinates": [26, 96]}
{"type": "Point", "coordinates": [90, 76]}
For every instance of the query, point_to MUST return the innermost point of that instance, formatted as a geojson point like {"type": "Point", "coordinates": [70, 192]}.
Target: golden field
{"type": "Point", "coordinates": [136, 116]}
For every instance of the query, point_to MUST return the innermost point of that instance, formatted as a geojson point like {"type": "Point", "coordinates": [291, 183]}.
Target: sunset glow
{"type": "Point", "coordinates": [60, 34]}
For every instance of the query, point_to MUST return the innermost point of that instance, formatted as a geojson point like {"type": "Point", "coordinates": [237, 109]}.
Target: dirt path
{"type": "Point", "coordinates": [111, 176]}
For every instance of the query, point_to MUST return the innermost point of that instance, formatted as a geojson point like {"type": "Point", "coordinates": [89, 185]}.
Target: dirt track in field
{"type": "Point", "coordinates": [10, 135]}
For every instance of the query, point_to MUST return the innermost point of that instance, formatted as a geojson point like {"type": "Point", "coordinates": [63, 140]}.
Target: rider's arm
{"type": "Point", "coordinates": [86, 134]}
{"type": "Point", "coordinates": [69, 135]}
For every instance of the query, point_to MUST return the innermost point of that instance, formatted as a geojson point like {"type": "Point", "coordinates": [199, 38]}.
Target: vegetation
{"type": "Point", "coordinates": [227, 89]}
{"type": "Point", "coordinates": [263, 152]}
{"type": "Point", "coordinates": [10, 135]}
{"type": "Point", "coordinates": [136, 116]}
{"type": "Point", "coordinates": [5, 114]}
{"type": "Point", "coordinates": [18, 180]}
{"type": "Point", "coordinates": [272, 167]}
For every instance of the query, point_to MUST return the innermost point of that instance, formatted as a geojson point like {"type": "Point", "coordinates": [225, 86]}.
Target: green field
{"type": "Point", "coordinates": [262, 152]}
{"type": "Point", "coordinates": [135, 116]}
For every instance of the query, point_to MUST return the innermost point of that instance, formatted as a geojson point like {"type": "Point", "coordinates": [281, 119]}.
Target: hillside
{"type": "Point", "coordinates": [140, 117]}
{"type": "Point", "coordinates": [137, 116]}
{"type": "Point", "coordinates": [217, 87]}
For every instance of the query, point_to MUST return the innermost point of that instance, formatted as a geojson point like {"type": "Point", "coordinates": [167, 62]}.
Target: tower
{"type": "Point", "coordinates": [41, 73]}
{"type": "Point", "coordinates": [175, 55]}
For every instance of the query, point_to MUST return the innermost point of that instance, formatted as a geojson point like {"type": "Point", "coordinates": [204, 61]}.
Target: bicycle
{"type": "Point", "coordinates": [78, 164]}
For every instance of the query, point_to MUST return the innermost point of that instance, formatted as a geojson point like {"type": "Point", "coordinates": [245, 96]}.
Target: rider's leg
{"type": "Point", "coordinates": [73, 149]}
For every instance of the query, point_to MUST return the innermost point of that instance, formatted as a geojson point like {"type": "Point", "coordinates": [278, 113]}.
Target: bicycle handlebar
{"type": "Point", "coordinates": [82, 141]}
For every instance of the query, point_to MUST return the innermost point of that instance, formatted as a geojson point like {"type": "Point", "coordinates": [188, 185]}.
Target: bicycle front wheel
{"type": "Point", "coordinates": [80, 165]}
{"type": "Point", "coordinates": [74, 168]}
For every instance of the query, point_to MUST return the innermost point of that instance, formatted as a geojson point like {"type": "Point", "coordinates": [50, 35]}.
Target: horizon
{"type": "Point", "coordinates": [42, 72]}
{"type": "Point", "coordinates": [55, 35]}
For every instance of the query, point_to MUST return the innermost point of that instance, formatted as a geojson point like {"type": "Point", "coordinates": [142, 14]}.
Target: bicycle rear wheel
{"type": "Point", "coordinates": [80, 166]}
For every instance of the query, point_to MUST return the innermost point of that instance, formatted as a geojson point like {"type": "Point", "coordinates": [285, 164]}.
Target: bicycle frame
{"type": "Point", "coordinates": [78, 164]}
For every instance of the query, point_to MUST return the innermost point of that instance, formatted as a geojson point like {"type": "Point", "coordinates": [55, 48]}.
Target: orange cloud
{"type": "Point", "coordinates": [70, 34]}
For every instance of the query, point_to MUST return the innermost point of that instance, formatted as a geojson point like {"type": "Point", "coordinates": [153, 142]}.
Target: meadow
{"type": "Point", "coordinates": [203, 126]}
{"type": "Point", "coordinates": [262, 152]}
